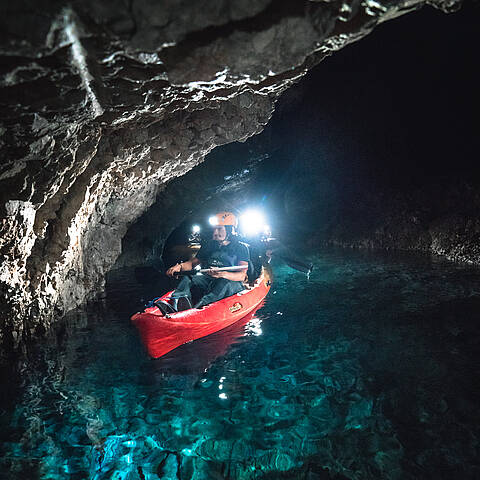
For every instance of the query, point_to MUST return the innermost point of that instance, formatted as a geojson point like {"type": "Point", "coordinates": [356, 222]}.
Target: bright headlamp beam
{"type": "Point", "coordinates": [196, 228]}
{"type": "Point", "coordinates": [252, 222]}
{"type": "Point", "coordinates": [213, 221]}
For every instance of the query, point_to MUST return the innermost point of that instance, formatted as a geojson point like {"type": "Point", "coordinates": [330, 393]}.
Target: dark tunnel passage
{"type": "Point", "coordinates": [375, 148]}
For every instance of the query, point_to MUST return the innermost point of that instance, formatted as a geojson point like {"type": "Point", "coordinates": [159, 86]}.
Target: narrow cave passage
{"type": "Point", "coordinates": [367, 369]}
{"type": "Point", "coordinates": [364, 152]}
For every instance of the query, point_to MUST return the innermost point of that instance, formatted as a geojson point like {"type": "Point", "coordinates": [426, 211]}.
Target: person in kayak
{"type": "Point", "coordinates": [223, 250]}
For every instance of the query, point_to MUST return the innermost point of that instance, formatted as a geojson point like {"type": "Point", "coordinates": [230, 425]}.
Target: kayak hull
{"type": "Point", "coordinates": [161, 334]}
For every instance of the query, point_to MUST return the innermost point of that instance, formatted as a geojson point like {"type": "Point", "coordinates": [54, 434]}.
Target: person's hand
{"type": "Point", "coordinates": [173, 270]}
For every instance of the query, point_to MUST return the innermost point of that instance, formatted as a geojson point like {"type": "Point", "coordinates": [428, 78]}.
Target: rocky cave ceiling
{"type": "Point", "coordinates": [104, 103]}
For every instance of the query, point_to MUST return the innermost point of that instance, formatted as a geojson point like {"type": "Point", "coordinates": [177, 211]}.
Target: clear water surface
{"type": "Point", "coordinates": [369, 369]}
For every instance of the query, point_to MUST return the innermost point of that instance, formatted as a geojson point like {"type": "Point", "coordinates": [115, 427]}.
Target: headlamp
{"type": "Point", "coordinates": [252, 223]}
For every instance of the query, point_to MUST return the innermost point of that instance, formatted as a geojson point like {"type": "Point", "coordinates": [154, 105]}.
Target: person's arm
{"type": "Point", "coordinates": [183, 267]}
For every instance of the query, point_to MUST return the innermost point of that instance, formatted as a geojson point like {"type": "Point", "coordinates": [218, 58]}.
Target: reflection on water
{"type": "Point", "coordinates": [369, 369]}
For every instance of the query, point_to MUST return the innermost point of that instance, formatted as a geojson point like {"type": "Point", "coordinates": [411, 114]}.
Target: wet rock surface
{"type": "Point", "coordinates": [411, 222]}
{"type": "Point", "coordinates": [104, 103]}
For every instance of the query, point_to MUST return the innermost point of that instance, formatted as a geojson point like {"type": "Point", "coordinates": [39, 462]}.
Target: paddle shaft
{"type": "Point", "coordinates": [235, 268]}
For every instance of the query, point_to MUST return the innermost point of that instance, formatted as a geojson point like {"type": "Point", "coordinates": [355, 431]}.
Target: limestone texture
{"type": "Point", "coordinates": [103, 103]}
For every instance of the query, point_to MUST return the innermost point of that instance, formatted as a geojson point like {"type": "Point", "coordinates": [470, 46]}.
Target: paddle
{"type": "Point", "coordinates": [292, 259]}
{"type": "Point", "coordinates": [297, 264]}
{"type": "Point", "coordinates": [235, 268]}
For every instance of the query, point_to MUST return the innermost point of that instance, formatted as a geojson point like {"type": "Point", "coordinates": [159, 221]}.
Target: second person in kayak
{"type": "Point", "coordinates": [223, 250]}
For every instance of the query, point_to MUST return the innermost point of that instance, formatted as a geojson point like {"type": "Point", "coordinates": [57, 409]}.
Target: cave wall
{"type": "Point", "coordinates": [103, 103]}
{"type": "Point", "coordinates": [439, 217]}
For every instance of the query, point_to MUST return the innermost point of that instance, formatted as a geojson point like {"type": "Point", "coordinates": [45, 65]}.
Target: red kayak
{"type": "Point", "coordinates": [194, 358]}
{"type": "Point", "coordinates": [162, 333]}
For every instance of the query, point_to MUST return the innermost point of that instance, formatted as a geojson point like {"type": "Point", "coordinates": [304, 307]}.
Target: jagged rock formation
{"type": "Point", "coordinates": [103, 103]}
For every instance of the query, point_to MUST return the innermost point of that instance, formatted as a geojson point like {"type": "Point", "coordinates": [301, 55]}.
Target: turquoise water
{"type": "Point", "coordinates": [369, 369]}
